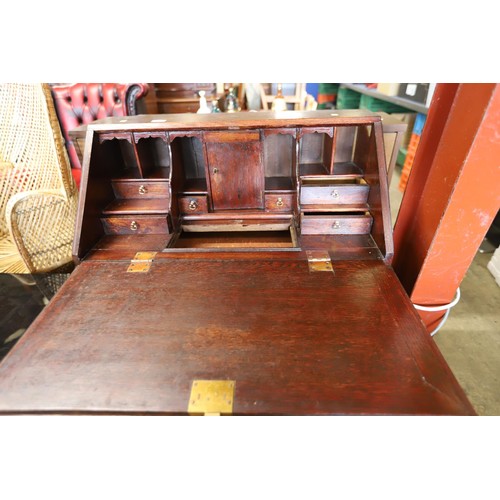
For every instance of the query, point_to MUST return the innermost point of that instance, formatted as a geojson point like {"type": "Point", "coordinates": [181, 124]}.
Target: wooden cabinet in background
{"type": "Point", "coordinates": [180, 97]}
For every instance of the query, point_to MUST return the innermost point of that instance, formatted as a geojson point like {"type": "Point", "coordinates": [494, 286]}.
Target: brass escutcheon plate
{"type": "Point", "coordinates": [211, 397]}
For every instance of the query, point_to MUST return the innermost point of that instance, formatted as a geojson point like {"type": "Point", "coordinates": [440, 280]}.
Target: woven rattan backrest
{"type": "Point", "coordinates": [32, 154]}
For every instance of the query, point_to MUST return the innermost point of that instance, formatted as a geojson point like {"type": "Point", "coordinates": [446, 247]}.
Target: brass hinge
{"type": "Point", "coordinates": [319, 261]}
{"type": "Point", "coordinates": [141, 263]}
{"type": "Point", "coordinates": [211, 397]}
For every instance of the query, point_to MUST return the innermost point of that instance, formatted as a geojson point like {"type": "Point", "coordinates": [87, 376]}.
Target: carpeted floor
{"type": "Point", "coordinates": [21, 300]}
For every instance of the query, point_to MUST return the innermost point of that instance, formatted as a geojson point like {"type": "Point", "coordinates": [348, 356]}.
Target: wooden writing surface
{"type": "Point", "coordinates": [294, 342]}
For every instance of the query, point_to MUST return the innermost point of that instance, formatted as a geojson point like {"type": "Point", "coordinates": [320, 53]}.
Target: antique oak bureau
{"type": "Point", "coordinates": [232, 264]}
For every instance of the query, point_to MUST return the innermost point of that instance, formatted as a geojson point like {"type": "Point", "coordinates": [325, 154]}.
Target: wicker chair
{"type": "Point", "coordinates": [38, 196]}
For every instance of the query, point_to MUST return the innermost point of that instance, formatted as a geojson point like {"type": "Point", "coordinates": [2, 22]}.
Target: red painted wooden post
{"type": "Point", "coordinates": [452, 195]}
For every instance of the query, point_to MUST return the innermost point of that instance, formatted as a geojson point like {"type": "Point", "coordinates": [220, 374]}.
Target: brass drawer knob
{"type": "Point", "coordinates": [193, 205]}
{"type": "Point", "coordinates": [335, 193]}
{"type": "Point", "coordinates": [134, 226]}
{"type": "Point", "coordinates": [143, 189]}
{"type": "Point", "coordinates": [336, 224]}
{"type": "Point", "coordinates": [279, 202]}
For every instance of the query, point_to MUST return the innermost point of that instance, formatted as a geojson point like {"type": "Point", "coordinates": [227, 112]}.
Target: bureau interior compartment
{"type": "Point", "coordinates": [139, 207]}
{"type": "Point", "coordinates": [334, 180]}
{"type": "Point", "coordinates": [123, 152]}
{"type": "Point", "coordinates": [235, 221]}
{"type": "Point", "coordinates": [135, 224]}
{"type": "Point", "coordinates": [154, 157]}
{"type": "Point", "coordinates": [340, 222]}
{"type": "Point", "coordinates": [138, 197]}
{"type": "Point", "coordinates": [128, 186]}
{"type": "Point", "coordinates": [279, 161]}
{"type": "Point", "coordinates": [189, 166]}
{"type": "Point", "coordinates": [344, 152]}
{"type": "Point", "coordinates": [241, 183]}
{"type": "Point", "coordinates": [216, 240]}
{"type": "Point", "coordinates": [143, 155]}
{"type": "Point", "coordinates": [352, 149]}
{"type": "Point", "coordinates": [333, 191]}
{"type": "Point", "coordinates": [316, 147]}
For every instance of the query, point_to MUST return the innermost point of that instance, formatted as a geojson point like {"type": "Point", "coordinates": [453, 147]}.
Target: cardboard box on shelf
{"type": "Point", "coordinates": [409, 119]}
{"type": "Point", "coordinates": [388, 88]}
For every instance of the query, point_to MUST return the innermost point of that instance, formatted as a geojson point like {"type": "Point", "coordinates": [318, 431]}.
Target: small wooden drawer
{"type": "Point", "coordinates": [140, 189]}
{"type": "Point", "coordinates": [278, 202]}
{"type": "Point", "coordinates": [193, 204]}
{"type": "Point", "coordinates": [336, 223]}
{"type": "Point", "coordinates": [338, 193]}
{"type": "Point", "coordinates": [135, 225]}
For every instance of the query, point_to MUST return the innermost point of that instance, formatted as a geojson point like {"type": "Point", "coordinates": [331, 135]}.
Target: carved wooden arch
{"type": "Point", "coordinates": [153, 134]}
{"type": "Point", "coordinates": [109, 136]}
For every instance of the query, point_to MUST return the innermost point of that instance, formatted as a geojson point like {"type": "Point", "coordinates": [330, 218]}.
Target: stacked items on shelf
{"type": "Point", "coordinates": [375, 105]}
{"type": "Point", "coordinates": [390, 89]}
{"type": "Point", "coordinates": [417, 92]}
{"type": "Point", "coordinates": [412, 148]}
{"type": "Point", "coordinates": [347, 99]}
{"type": "Point", "coordinates": [409, 119]}
{"type": "Point", "coordinates": [350, 99]}
{"type": "Point", "coordinates": [327, 95]}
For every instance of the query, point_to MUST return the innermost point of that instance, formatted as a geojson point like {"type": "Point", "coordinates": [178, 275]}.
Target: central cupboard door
{"type": "Point", "coordinates": [235, 169]}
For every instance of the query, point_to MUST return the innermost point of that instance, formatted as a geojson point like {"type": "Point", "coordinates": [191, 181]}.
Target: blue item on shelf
{"type": "Point", "coordinates": [419, 123]}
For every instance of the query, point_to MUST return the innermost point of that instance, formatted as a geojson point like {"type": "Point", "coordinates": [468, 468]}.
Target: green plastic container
{"type": "Point", "coordinates": [328, 88]}
{"type": "Point", "coordinates": [348, 99]}
{"type": "Point", "coordinates": [400, 160]}
{"type": "Point", "coordinates": [373, 104]}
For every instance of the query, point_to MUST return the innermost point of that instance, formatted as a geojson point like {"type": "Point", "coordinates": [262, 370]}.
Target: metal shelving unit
{"type": "Point", "coordinates": [400, 101]}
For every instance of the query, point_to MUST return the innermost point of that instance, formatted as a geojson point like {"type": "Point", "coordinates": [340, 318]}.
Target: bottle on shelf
{"type": "Point", "coordinates": [215, 106]}
{"type": "Point", "coordinates": [203, 103]}
{"type": "Point", "coordinates": [279, 103]}
{"type": "Point", "coordinates": [231, 103]}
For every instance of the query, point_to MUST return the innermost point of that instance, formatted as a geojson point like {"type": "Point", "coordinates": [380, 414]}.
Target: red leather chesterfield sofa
{"type": "Point", "coordinates": [81, 103]}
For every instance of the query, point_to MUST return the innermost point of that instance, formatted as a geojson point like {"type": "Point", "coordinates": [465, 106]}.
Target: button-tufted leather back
{"type": "Point", "coordinates": [82, 103]}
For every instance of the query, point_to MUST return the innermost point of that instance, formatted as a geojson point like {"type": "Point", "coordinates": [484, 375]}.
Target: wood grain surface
{"type": "Point", "coordinates": [139, 188]}
{"type": "Point", "coordinates": [234, 121]}
{"type": "Point", "coordinates": [295, 342]}
{"type": "Point", "coordinates": [278, 202]}
{"type": "Point", "coordinates": [235, 170]}
{"type": "Point", "coordinates": [135, 224]}
{"type": "Point", "coordinates": [193, 204]}
{"type": "Point", "coordinates": [221, 303]}
{"type": "Point", "coordinates": [337, 223]}
{"type": "Point", "coordinates": [137, 206]}
{"type": "Point", "coordinates": [333, 194]}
